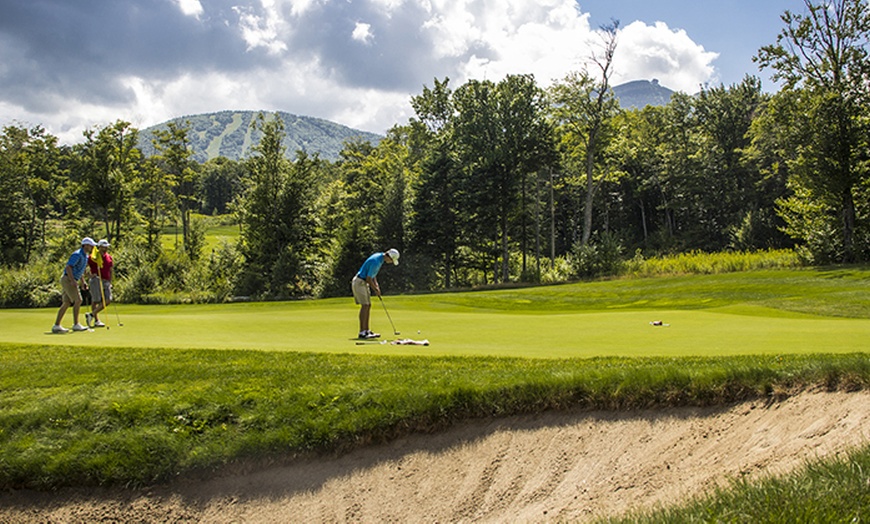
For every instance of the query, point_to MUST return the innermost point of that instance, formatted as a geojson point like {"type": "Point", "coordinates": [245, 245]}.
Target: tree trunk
{"type": "Point", "coordinates": [523, 224]}
{"type": "Point", "coordinates": [505, 255]}
{"type": "Point", "coordinates": [590, 194]}
{"type": "Point", "coordinates": [552, 222]}
{"type": "Point", "coordinates": [848, 215]}
{"type": "Point", "coordinates": [538, 226]}
{"type": "Point", "coordinates": [643, 222]}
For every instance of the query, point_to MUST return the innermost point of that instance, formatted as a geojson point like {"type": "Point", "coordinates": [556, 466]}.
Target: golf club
{"type": "Point", "coordinates": [117, 316]}
{"type": "Point", "coordinates": [388, 316]}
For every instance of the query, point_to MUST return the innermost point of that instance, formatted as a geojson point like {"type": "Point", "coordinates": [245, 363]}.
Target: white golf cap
{"type": "Point", "coordinates": [88, 241]}
{"type": "Point", "coordinates": [394, 255]}
{"type": "Point", "coordinates": [103, 243]}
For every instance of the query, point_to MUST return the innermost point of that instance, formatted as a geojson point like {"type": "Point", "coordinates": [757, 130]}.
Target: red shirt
{"type": "Point", "coordinates": [106, 270]}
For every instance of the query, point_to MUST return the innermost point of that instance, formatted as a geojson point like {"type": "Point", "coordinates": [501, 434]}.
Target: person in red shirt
{"type": "Point", "coordinates": [100, 266]}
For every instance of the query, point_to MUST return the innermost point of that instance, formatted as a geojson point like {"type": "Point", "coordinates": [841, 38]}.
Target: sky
{"type": "Point", "coordinates": [73, 65]}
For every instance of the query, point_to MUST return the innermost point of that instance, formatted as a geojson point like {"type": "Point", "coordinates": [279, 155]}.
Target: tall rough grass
{"type": "Point", "coordinates": [700, 263]}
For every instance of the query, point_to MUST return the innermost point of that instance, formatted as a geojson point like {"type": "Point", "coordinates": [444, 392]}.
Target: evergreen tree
{"type": "Point", "coordinates": [276, 217]}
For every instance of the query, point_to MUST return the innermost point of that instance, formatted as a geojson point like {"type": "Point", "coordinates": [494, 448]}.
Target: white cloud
{"type": "Point", "coordinates": [300, 7]}
{"type": "Point", "coordinates": [388, 5]}
{"type": "Point", "coordinates": [262, 30]}
{"type": "Point", "coordinates": [190, 7]}
{"type": "Point", "coordinates": [550, 39]}
{"type": "Point", "coordinates": [646, 52]}
{"type": "Point", "coordinates": [362, 33]}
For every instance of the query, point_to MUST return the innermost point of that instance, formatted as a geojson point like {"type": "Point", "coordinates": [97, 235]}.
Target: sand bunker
{"type": "Point", "coordinates": [559, 466]}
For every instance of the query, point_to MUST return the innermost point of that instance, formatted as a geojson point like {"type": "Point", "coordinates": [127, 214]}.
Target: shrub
{"type": "Point", "coordinates": [141, 282]}
{"type": "Point", "coordinates": [601, 256]}
{"type": "Point", "coordinates": [224, 267]}
{"type": "Point", "coordinates": [34, 285]}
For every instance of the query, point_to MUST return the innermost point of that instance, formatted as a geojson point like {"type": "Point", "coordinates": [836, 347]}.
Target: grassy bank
{"type": "Point", "coordinates": [91, 416]}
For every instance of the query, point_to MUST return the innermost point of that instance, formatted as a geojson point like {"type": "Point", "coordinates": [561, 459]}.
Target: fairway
{"type": "Point", "coordinates": [552, 322]}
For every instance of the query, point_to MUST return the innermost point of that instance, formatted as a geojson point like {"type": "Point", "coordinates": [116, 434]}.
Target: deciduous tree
{"type": "Point", "coordinates": [821, 57]}
{"type": "Point", "coordinates": [110, 160]}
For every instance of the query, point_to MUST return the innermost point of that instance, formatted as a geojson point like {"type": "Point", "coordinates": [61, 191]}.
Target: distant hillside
{"type": "Point", "coordinates": [642, 93]}
{"type": "Point", "coordinates": [230, 134]}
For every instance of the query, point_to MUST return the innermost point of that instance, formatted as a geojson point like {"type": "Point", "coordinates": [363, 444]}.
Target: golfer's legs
{"type": "Point", "coordinates": [364, 313]}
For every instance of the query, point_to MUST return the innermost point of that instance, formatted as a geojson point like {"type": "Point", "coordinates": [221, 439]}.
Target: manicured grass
{"type": "Point", "coordinates": [162, 395]}
{"type": "Point", "coordinates": [215, 233]}
{"type": "Point", "coordinates": [761, 312]}
{"type": "Point", "coordinates": [841, 292]}
{"type": "Point", "coordinates": [332, 328]}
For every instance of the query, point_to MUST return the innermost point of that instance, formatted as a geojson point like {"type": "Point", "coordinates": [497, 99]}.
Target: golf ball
{"type": "Point", "coordinates": [418, 331]}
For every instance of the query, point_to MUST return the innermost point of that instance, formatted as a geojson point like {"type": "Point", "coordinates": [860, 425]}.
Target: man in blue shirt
{"type": "Point", "coordinates": [69, 283]}
{"type": "Point", "coordinates": [364, 281]}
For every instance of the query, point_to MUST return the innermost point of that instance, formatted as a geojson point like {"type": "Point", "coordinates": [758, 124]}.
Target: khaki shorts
{"type": "Point", "coordinates": [361, 293]}
{"type": "Point", "coordinates": [69, 290]}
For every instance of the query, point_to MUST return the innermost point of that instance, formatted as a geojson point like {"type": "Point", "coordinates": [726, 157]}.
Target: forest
{"type": "Point", "coordinates": [490, 183]}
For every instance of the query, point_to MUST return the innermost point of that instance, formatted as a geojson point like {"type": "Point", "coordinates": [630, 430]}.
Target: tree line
{"type": "Point", "coordinates": [489, 182]}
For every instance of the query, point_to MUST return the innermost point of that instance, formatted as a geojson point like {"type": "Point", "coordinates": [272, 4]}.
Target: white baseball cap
{"type": "Point", "coordinates": [88, 241]}
{"type": "Point", "coordinates": [394, 255]}
{"type": "Point", "coordinates": [103, 243]}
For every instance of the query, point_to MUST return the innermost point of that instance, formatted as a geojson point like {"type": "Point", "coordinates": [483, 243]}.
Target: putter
{"type": "Point", "coordinates": [388, 316]}
{"type": "Point", "coordinates": [117, 316]}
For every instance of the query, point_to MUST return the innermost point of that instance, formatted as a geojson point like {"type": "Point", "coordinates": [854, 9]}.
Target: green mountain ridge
{"type": "Point", "coordinates": [231, 134]}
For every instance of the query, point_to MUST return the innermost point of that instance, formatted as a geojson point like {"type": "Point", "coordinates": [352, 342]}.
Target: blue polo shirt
{"type": "Point", "coordinates": [78, 261]}
{"type": "Point", "coordinates": [371, 266]}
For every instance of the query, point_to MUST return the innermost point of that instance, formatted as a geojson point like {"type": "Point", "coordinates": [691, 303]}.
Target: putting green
{"type": "Point", "coordinates": [330, 326]}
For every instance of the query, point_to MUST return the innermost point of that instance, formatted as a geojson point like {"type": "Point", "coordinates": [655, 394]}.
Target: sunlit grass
{"type": "Point", "coordinates": [217, 230]}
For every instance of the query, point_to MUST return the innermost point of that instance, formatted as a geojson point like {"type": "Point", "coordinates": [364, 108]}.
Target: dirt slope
{"type": "Point", "coordinates": [543, 468]}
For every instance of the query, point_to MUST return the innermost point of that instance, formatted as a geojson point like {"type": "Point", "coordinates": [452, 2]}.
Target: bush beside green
{"type": "Point", "coordinates": [37, 285]}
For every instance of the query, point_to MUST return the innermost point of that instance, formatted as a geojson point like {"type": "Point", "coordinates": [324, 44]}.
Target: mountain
{"type": "Point", "coordinates": [642, 93]}
{"type": "Point", "coordinates": [230, 134]}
